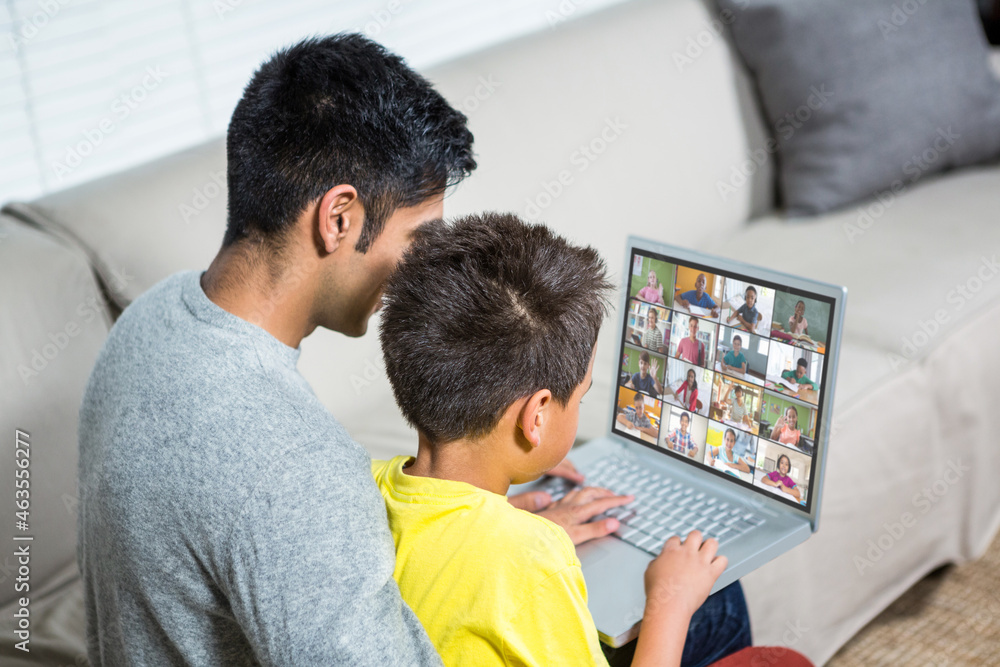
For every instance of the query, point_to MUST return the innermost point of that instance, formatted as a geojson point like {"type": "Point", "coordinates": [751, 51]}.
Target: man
{"type": "Point", "coordinates": [226, 517]}
{"type": "Point", "coordinates": [652, 337]}
{"type": "Point", "coordinates": [645, 380]}
{"type": "Point", "coordinates": [734, 361]}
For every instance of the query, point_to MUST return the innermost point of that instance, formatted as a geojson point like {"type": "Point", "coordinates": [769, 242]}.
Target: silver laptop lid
{"type": "Point", "coordinates": [689, 323]}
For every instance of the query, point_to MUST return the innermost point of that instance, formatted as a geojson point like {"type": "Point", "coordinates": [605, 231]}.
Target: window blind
{"type": "Point", "coordinates": [88, 87]}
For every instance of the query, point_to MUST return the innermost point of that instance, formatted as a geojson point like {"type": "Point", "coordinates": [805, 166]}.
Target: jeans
{"type": "Point", "coordinates": [720, 627]}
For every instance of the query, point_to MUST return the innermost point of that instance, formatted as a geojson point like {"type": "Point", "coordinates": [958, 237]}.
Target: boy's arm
{"type": "Point", "coordinates": [678, 581]}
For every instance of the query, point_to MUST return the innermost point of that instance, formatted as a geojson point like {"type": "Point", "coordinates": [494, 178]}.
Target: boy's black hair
{"type": "Point", "coordinates": [802, 362]}
{"type": "Point", "coordinates": [485, 312]}
{"type": "Point", "coordinates": [338, 110]}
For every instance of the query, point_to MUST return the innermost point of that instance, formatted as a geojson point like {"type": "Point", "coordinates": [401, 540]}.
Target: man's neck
{"type": "Point", "coordinates": [277, 301]}
{"type": "Point", "coordinates": [461, 461]}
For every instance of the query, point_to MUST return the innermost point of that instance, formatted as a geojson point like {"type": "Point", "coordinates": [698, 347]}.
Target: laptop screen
{"type": "Point", "coordinates": [724, 371]}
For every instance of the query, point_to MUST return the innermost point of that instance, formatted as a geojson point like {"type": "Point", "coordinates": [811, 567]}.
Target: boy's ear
{"type": "Point", "coordinates": [533, 414]}
{"type": "Point", "coordinates": [339, 213]}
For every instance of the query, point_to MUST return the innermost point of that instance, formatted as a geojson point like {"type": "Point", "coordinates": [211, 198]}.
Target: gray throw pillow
{"type": "Point", "coordinates": [865, 96]}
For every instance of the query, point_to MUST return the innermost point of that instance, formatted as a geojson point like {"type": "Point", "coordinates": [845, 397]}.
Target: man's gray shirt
{"type": "Point", "coordinates": [226, 518]}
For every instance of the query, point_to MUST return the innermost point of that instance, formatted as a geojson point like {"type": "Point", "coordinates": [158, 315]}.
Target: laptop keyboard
{"type": "Point", "coordinates": [663, 507]}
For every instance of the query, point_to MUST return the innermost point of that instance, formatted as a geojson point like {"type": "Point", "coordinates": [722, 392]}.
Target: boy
{"type": "Point", "coordinates": [488, 331]}
{"type": "Point", "coordinates": [635, 417]}
{"type": "Point", "coordinates": [698, 297]}
{"type": "Point", "coordinates": [691, 349]}
{"type": "Point", "coordinates": [799, 376]}
{"type": "Point", "coordinates": [645, 380]}
{"type": "Point", "coordinates": [747, 314]}
{"type": "Point", "coordinates": [734, 361]}
{"type": "Point", "coordinates": [680, 440]}
{"type": "Point", "coordinates": [652, 338]}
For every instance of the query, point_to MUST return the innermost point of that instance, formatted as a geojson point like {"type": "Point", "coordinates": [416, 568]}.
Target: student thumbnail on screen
{"type": "Point", "coordinates": [692, 339]}
{"type": "Point", "coordinates": [648, 326]}
{"type": "Point", "coordinates": [688, 386]}
{"type": "Point", "coordinates": [698, 293]}
{"type": "Point", "coordinates": [801, 321]}
{"type": "Point", "coordinates": [747, 306]}
{"type": "Point", "coordinates": [742, 355]}
{"type": "Point", "coordinates": [794, 372]}
{"type": "Point", "coordinates": [788, 421]}
{"type": "Point", "coordinates": [638, 415]}
{"type": "Point", "coordinates": [731, 451]}
{"type": "Point", "coordinates": [683, 432]}
{"type": "Point", "coordinates": [642, 370]}
{"type": "Point", "coordinates": [782, 471]}
{"type": "Point", "coordinates": [736, 403]}
{"type": "Point", "coordinates": [652, 280]}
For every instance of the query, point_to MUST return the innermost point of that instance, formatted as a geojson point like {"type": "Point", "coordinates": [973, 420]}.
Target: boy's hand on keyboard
{"type": "Point", "coordinates": [679, 580]}
{"type": "Point", "coordinates": [566, 470]}
{"type": "Point", "coordinates": [677, 583]}
{"type": "Point", "coordinates": [576, 509]}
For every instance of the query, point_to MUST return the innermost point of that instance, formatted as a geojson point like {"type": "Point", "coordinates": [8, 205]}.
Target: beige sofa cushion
{"type": "Point", "coordinates": [143, 224]}
{"type": "Point", "coordinates": [53, 327]}
{"type": "Point", "coordinates": [913, 428]}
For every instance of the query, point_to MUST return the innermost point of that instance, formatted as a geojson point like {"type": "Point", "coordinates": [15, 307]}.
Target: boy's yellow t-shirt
{"type": "Point", "coordinates": [492, 584]}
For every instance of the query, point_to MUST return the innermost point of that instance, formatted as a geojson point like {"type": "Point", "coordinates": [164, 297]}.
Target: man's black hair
{"type": "Point", "coordinates": [483, 313]}
{"type": "Point", "coordinates": [338, 110]}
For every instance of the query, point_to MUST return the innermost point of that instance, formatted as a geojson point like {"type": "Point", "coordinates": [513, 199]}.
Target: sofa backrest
{"type": "Point", "coordinates": [54, 322]}
{"type": "Point", "coordinates": [627, 119]}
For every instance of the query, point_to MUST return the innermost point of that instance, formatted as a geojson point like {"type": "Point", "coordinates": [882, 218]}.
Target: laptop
{"type": "Point", "coordinates": [719, 421]}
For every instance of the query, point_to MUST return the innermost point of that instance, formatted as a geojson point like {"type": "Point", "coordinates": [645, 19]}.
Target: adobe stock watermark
{"type": "Point", "coordinates": [34, 23]}
{"type": "Point", "coordinates": [957, 297]}
{"type": "Point", "coordinates": [223, 7]}
{"type": "Point", "coordinates": [382, 18]}
{"type": "Point", "coordinates": [698, 44]}
{"type": "Point", "coordinates": [899, 16]}
{"type": "Point", "coordinates": [785, 128]}
{"type": "Point", "coordinates": [121, 109]}
{"type": "Point", "coordinates": [56, 341]}
{"type": "Point", "coordinates": [373, 371]}
{"type": "Point", "coordinates": [914, 169]}
{"type": "Point", "coordinates": [922, 503]}
{"type": "Point", "coordinates": [484, 89]}
{"type": "Point", "coordinates": [584, 156]}
{"type": "Point", "coordinates": [562, 12]}
{"type": "Point", "coordinates": [203, 195]}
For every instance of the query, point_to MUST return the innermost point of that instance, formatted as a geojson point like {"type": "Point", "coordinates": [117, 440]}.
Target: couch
{"type": "Point", "coordinates": [593, 127]}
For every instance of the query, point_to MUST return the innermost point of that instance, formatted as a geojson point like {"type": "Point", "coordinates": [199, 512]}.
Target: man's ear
{"type": "Point", "coordinates": [533, 414]}
{"type": "Point", "coordinates": [340, 213]}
